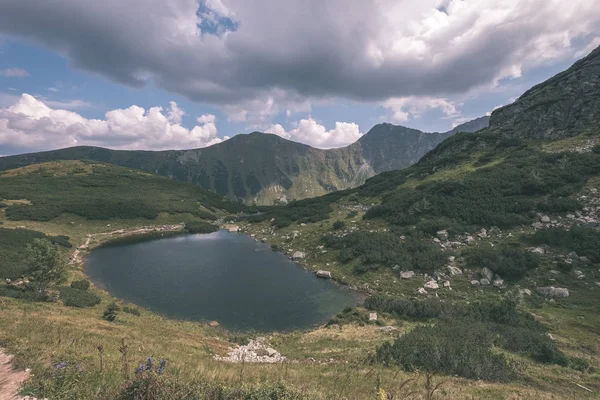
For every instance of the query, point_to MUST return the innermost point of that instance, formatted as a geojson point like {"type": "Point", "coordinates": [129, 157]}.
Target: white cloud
{"type": "Point", "coordinates": [404, 107]}
{"type": "Point", "coordinates": [29, 125]}
{"type": "Point", "coordinates": [175, 114]}
{"type": "Point", "coordinates": [52, 89]}
{"type": "Point", "coordinates": [310, 132]}
{"type": "Point", "coordinates": [67, 105]}
{"type": "Point", "coordinates": [280, 52]}
{"type": "Point", "coordinates": [13, 73]}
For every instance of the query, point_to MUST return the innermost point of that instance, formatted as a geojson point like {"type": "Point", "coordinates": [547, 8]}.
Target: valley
{"type": "Point", "coordinates": [479, 264]}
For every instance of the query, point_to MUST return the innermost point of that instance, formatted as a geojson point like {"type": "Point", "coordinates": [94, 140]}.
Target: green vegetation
{"type": "Point", "coordinates": [82, 284]}
{"type": "Point", "coordinates": [386, 249]}
{"type": "Point", "coordinates": [13, 246]}
{"type": "Point", "coordinates": [584, 241]}
{"type": "Point", "coordinates": [111, 312]}
{"type": "Point", "coordinates": [461, 342]}
{"type": "Point", "coordinates": [46, 265]}
{"type": "Point", "coordinates": [508, 261]}
{"type": "Point", "coordinates": [103, 193]}
{"type": "Point", "coordinates": [73, 297]}
{"type": "Point", "coordinates": [132, 310]}
{"type": "Point", "coordinates": [200, 227]}
{"type": "Point", "coordinates": [337, 225]}
{"type": "Point", "coordinates": [505, 194]}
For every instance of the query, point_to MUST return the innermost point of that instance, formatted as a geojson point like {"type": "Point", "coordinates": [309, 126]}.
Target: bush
{"type": "Point", "coordinates": [508, 261]}
{"type": "Point", "coordinates": [452, 348]}
{"type": "Point", "coordinates": [110, 312]}
{"type": "Point", "coordinates": [132, 310]}
{"type": "Point", "coordinates": [82, 284]}
{"type": "Point", "coordinates": [349, 316]}
{"type": "Point", "coordinates": [387, 249]}
{"type": "Point", "coordinates": [337, 225]}
{"type": "Point", "coordinates": [200, 227]}
{"type": "Point", "coordinates": [583, 241]}
{"type": "Point", "coordinates": [73, 297]}
{"type": "Point", "coordinates": [407, 308]}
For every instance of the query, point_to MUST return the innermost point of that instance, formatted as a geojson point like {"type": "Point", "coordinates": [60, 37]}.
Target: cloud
{"type": "Point", "coordinates": [30, 125]}
{"type": "Point", "coordinates": [13, 73]}
{"type": "Point", "coordinates": [404, 107]}
{"type": "Point", "coordinates": [252, 56]}
{"type": "Point", "coordinates": [52, 89]}
{"type": "Point", "coordinates": [310, 132]}
{"type": "Point", "coordinates": [67, 105]}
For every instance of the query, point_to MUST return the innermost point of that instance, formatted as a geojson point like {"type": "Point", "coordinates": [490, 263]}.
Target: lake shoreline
{"type": "Point", "coordinates": [151, 233]}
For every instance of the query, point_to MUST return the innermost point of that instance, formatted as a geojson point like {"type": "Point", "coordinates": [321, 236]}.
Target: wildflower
{"type": "Point", "coordinates": [79, 368]}
{"type": "Point", "coordinates": [149, 364]}
{"type": "Point", "coordinates": [161, 366]}
{"type": "Point", "coordinates": [140, 368]}
{"type": "Point", "coordinates": [61, 365]}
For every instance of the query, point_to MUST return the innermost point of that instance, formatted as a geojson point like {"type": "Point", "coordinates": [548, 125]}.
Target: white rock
{"type": "Point", "coordinates": [475, 282]}
{"type": "Point", "coordinates": [545, 219]}
{"type": "Point", "coordinates": [324, 274]}
{"type": "Point", "coordinates": [525, 291]}
{"type": "Point", "coordinates": [537, 250]}
{"type": "Point", "coordinates": [484, 282]}
{"type": "Point", "coordinates": [498, 282]}
{"type": "Point", "coordinates": [454, 270]}
{"type": "Point", "coordinates": [373, 316]}
{"type": "Point", "coordinates": [552, 292]}
{"type": "Point", "coordinates": [407, 274]}
{"type": "Point", "coordinates": [451, 259]}
{"type": "Point", "coordinates": [487, 273]}
{"type": "Point", "coordinates": [442, 235]}
{"type": "Point", "coordinates": [431, 285]}
{"type": "Point", "coordinates": [298, 255]}
{"type": "Point", "coordinates": [422, 291]}
{"type": "Point", "coordinates": [446, 283]}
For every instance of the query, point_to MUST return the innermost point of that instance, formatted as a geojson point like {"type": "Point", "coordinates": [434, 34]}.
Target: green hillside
{"type": "Point", "coordinates": [266, 169]}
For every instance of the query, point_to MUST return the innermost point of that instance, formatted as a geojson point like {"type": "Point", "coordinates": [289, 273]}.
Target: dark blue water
{"type": "Point", "coordinates": [222, 276]}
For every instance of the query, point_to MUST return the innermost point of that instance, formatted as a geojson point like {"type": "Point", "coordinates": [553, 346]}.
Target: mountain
{"type": "Point", "coordinates": [264, 169]}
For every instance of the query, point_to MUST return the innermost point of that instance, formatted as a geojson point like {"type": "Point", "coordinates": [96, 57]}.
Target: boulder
{"type": "Point", "coordinates": [213, 324]}
{"type": "Point", "coordinates": [545, 219]}
{"type": "Point", "coordinates": [447, 284]}
{"type": "Point", "coordinates": [537, 250]}
{"type": "Point", "coordinates": [498, 282]}
{"type": "Point", "coordinates": [324, 274]}
{"type": "Point", "coordinates": [422, 291]}
{"type": "Point", "coordinates": [454, 270]}
{"type": "Point", "coordinates": [475, 282]}
{"type": "Point", "coordinates": [451, 259]}
{"type": "Point", "coordinates": [525, 291]}
{"type": "Point", "coordinates": [487, 273]}
{"type": "Point", "coordinates": [388, 328]}
{"type": "Point", "coordinates": [298, 255]}
{"type": "Point", "coordinates": [482, 233]}
{"type": "Point", "coordinates": [551, 292]}
{"type": "Point", "coordinates": [431, 285]}
{"type": "Point", "coordinates": [484, 282]}
{"type": "Point", "coordinates": [407, 274]}
{"type": "Point", "coordinates": [469, 239]}
{"type": "Point", "coordinates": [373, 316]}
{"type": "Point", "coordinates": [537, 225]}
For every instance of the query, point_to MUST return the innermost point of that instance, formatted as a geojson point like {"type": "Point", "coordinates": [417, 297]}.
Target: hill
{"type": "Point", "coordinates": [266, 169]}
{"type": "Point", "coordinates": [508, 214]}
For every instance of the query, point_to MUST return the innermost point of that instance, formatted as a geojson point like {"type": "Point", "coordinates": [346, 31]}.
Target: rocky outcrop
{"type": "Point", "coordinates": [256, 351]}
{"type": "Point", "coordinates": [566, 105]}
{"type": "Point", "coordinates": [551, 292]}
{"type": "Point", "coordinates": [324, 274]}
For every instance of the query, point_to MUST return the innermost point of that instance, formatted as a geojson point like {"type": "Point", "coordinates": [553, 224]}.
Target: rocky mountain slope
{"type": "Point", "coordinates": [265, 169]}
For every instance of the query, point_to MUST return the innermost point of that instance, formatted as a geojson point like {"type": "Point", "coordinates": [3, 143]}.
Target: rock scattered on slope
{"type": "Point", "coordinates": [551, 292]}
{"type": "Point", "coordinates": [256, 351]}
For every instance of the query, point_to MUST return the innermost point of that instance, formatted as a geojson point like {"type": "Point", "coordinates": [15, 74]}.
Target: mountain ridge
{"type": "Point", "coordinates": [263, 168]}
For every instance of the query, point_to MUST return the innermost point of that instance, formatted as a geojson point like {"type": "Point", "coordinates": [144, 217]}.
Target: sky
{"type": "Point", "coordinates": [177, 74]}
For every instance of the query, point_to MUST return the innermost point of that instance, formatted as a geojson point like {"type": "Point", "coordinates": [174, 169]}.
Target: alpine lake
{"type": "Point", "coordinates": [226, 277]}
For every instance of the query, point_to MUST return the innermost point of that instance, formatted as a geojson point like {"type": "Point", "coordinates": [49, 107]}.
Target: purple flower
{"type": "Point", "coordinates": [79, 368]}
{"type": "Point", "coordinates": [149, 365]}
{"type": "Point", "coordinates": [61, 365]}
{"type": "Point", "coordinates": [161, 366]}
{"type": "Point", "coordinates": [140, 368]}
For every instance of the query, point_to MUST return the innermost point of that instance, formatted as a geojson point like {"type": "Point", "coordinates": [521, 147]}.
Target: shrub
{"type": "Point", "coordinates": [132, 310]}
{"type": "Point", "coordinates": [407, 308]}
{"type": "Point", "coordinates": [200, 227]}
{"type": "Point", "coordinates": [82, 284]}
{"type": "Point", "coordinates": [73, 297]}
{"type": "Point", "coordinates": [452, 348]}
{"type": "Point", "coordinates": [584, 241]}
{"type": "Point", "coordinates": [337, 225]}
{"type": "Point", "coordinates": [110, 312]}
{"type": "Point", "coordinates": [3, 205]}
{"type": "Point", "coordinates": [509, 262]}
{"type": "Point", "coordinates": [387, 249]}
{"type": "Point", "coordinates": [349, 316]}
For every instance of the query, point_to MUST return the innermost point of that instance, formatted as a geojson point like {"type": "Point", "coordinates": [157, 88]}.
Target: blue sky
{"type": "Point", "coordinates": [234, 69]}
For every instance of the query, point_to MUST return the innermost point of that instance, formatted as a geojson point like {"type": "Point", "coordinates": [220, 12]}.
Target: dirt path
{"type": "Point", "coordinates": [11, 380]}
